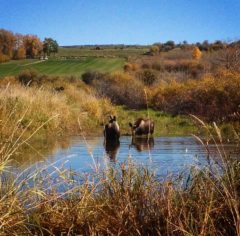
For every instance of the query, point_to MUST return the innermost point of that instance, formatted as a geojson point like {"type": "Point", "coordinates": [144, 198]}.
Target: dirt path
{"type": "Point", "coordinates": [36, 62]}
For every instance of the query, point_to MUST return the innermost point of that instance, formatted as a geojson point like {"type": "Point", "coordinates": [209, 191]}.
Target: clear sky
{"type": "Point", "coordinates": [73, 22]}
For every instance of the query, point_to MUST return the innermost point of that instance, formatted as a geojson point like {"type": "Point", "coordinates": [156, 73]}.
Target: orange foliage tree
{"type": "Point", "coordinates": [20, 51]}
{"type": "Point", "coordinates": [7, 41]}
{"type": "Point", "coordinates": [196, 53]}
{"type": "Point", "coordinates": [17, 46]}
{"type": "Point", "coordinates": [33, 45]}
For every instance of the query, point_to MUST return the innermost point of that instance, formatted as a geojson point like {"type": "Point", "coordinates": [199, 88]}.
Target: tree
{"type": "Point", "coordinates": [217, 45]}
{"type": "Point", "coordinates": [19, 53]}
{"type": "Point", "coordinates": [205, 46]}
{"type": "Point", "coordinates": [33, 45]}
{"type": "Point", "coordinates": [169, 45]}
{"type": "Point", "coordinates": [7, 41]}
{"type": "Point", "coordinates": [196, 53]}
{"type": "Point", "coordinates": [50, 46]}
{"type": "Point", "coordinates": [19, 48]}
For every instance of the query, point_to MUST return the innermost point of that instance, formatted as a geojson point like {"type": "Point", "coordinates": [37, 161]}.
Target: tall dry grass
{"type": "Point", "coordinates": [31, 106]}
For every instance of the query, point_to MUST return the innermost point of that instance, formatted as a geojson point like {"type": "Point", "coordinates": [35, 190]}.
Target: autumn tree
{"type": "Point", "coordinates": [33, 45]}
{"type": "Point", "coordinates": [196, 53]}
{"type": "Point", "coordinates": [19, 51]}
{"type": "Point", "coordinates": [7, 41]}
{"type": "Point", "coordinates": [50, 46]}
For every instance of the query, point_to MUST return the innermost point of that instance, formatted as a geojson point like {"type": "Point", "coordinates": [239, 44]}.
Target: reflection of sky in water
{"type": "Point", "coordinates": [168, 155]}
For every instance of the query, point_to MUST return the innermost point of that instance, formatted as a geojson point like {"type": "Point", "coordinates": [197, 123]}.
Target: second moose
{"type": "Point", "coordinates": [142, 127]}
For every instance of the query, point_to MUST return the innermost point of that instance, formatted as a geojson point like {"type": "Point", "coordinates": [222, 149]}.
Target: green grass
{"type": "Point", "coordinates": [62, 67]}
{"type": "Point", "coordinates": [165, 124]}
{"type": "Point", "coordinates": [104, 52]}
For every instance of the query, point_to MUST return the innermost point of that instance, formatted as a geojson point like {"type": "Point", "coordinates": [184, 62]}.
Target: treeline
{"type": "Point", "coordinates": [17, 46]}
{"type": "Point", "coordinates": [204, 46]}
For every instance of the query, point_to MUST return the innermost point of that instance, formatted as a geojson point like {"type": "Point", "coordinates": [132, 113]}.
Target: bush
{"type": "Point", "coordinates": [154, 50]}
{"type": "Point", "coordinates": [89, 77]}
{"type": "Point", "coordinates": [27, 77]}
{"type": "Point", "coordinates": [196, 53]}
{"type": "Point", "coordinates": [130, 67]}
{"type": "Point", "coordinates": [127, 67]}
{"type": "Point", "coordinates": [212, 98]}
{"type": "Point", "coordinates": [146, 66]}
{"type": "Point", "coordinates": [157, 66]}
{"type": "Point", "coordinates": [122, 89]}
{"type": "Point", "coordinates": [148, 77]}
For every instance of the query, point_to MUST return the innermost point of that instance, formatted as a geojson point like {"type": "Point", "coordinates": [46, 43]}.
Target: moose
{"type": "Point", "coordinates": [142, 127]}
{"type": "Point", "coordinates": [111, 130]}
{"type": "Point", "coordinates": [112, 135]}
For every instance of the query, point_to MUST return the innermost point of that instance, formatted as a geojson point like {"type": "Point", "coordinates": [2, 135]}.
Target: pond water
{"type": "Point", "coordinates": [164, 155]}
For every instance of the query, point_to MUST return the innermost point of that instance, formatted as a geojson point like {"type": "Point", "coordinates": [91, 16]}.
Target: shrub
{"type": "Point", "coordinates": [148, 77]}
{"type": "Point", "coordinates": [157, 66]}
{"type": "Point", "coordinates": [146, 66]}
{"type": "Point", "coordinates": [212, 98]}
{"type": "Point", "coordinates": [122, 89]}
{"type": "Point", "coordinates": [228, 59]}
{"type": "Point", "coordinates": [127, 67]}
{"type": "Point", "coordinates": [130, 67]}
{"type": "Point", "coordinates": [90, 76]}
{"type": "Point", "coordinates": [26, 77]}
{"type": "Point", "coordinates": [196, 53]}
{"type": "Point", "coordinates": [154, 50]}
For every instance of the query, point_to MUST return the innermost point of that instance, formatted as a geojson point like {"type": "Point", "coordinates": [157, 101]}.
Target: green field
{"type": "Point", "coordinates": [63, 67]}
{"type": "Point", "coordinates": [109, 52]}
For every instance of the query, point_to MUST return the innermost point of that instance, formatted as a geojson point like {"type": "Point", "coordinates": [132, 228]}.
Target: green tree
{"type": "Point", "coordinates": [50, 46]}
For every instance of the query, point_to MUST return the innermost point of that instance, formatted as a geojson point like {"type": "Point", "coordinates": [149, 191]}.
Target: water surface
{"type": "Point", "coordinates": [164, 155]}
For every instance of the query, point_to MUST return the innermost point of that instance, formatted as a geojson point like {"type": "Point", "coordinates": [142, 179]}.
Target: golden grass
{"type": "Point", "coordinates": [32, 106]}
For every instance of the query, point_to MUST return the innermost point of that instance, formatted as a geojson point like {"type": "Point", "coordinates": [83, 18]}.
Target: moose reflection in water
{"type": "Point", "coordinates": [142, 143]}
{"type": "Point", "coordinates": [111, 137]}
{"type": "Point", "coordinates": [111, 148]}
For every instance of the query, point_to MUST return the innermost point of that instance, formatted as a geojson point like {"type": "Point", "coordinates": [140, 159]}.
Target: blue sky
{"type": "Point", "coordinates": [73, 22]}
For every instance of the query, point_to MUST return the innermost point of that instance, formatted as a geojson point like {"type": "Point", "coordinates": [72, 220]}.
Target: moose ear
{"type": "Point", "coordinates": [114, 118]}
{"type": "Point", "coordinates": [130, 124]}
{"type": "Point", "coordinates": [110, 117]}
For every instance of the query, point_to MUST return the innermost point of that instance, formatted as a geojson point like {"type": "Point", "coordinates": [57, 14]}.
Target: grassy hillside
{"type": "Point", "coordinates": [62, 67]}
